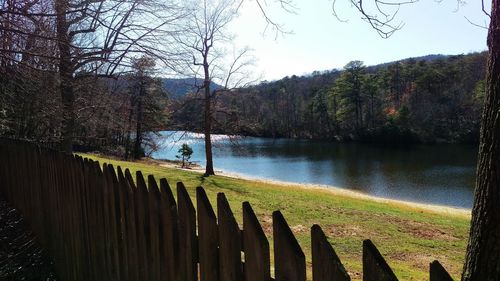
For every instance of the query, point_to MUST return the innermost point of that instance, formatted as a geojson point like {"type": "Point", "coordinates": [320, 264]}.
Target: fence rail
{"type": "Point", "coordinates": [97, 223]}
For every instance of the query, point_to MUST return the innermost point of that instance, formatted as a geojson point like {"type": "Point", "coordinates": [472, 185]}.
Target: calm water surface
{"type": "Point", "coordinates": [437, 174]}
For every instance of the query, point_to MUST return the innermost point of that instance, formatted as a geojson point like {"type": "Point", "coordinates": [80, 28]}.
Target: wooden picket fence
{"type": "Point", "coordinates": [97, 223]}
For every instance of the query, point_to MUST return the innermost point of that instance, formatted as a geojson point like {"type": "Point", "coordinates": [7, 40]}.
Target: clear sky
{"type": "Point", "coordinates": [321, 42]}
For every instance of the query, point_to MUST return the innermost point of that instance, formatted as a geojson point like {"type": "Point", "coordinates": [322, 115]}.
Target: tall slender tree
{"type": "Point", "coordinates": [348, 95]}
{"type": "Point", "coordinates": [204, 41]}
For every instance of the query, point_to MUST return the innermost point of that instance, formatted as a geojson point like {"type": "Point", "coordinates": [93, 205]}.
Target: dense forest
{"type": "Point", "coordinates": [112, 115]}
{"type": "Point", "coordinates": [81, 74]}
{"type": "Point", "coordinates": [435, 99]}
{"type": "Point", "coordinates": [428, 99]}
{"type": "Point", "coordinates": [87, 77]}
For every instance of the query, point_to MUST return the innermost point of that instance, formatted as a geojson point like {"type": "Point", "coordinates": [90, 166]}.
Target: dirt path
{"type": "Point", "coordinates": [21, 258]}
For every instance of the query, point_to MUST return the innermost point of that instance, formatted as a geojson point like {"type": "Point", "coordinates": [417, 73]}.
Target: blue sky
{"type": "Point", "coordinates": [321, 42]}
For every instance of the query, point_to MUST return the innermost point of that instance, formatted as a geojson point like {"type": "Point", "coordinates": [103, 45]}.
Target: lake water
{"type": "Point", "coordinates": [436, 174]}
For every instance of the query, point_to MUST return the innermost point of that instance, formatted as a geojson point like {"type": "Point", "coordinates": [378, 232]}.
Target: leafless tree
{"type": "Point", "coordinates": [85, 38]}
{"type": "Point", "coordinates": [205, 45]}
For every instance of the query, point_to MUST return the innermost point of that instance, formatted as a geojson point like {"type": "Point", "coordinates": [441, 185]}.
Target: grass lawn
{"type": "Point", "coordinates": [408, 237]}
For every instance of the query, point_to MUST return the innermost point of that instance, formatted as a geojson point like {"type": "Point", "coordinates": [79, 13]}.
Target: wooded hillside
{"type": "Point", "coordinates": [436, 99]}
{"type": "Point", "coordinates": [428, 99]}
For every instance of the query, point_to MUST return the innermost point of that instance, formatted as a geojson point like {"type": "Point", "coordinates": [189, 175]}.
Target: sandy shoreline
{"type": "Point", "coordinates": [336, 190]}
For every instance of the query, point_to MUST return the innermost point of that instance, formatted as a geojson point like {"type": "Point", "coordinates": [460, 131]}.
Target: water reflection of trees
{"type": "Point", "coordinates": [431, 173]}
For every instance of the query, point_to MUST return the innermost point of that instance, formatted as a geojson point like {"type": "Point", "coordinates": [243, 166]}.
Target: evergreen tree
{"type": "Point", "coordinates": [185, 153]}
{"type": "Point", "coordinates": [348, 95]}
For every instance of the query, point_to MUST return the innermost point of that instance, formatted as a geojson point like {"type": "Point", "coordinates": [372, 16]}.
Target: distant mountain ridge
{"type": "Point", "coordinates": [426, 58]}
{"type": "Point", "coordinates": [179, 87]}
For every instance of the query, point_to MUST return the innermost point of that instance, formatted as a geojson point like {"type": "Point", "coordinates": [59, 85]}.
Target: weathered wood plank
{"type": "Point", "coordinates": [120, 191]}
{"type": "Point", "coordinates": [130, 179]}
{"type": "Point", "coordinates": [208, 251]}
{"type": "Point", "coordinates": [438, 273]}
{"type": "Point", "coordinates": [154, 228]}
{"type": "Point", "coordinates": [112, 222]}
{"type": "Point", "coordinates": [375, 268]}
{"type": "Point", "coordinates": [289, 260]}
{"type": "Point", "coordinates": [230, 266]}
{"type": "Point", "coordinates": [81, 196]}
{"type": "Point", "coordinates": [326, 264]}
{"type": "Point", "coordinates": [130, 213]}
{"type": "Point", "coordinates": [78, 209]}
{"type": "Point", "coordinates": [142, 226]}
{"type": "Point", "coordinates": [103, 199]}
{"type": "Point", "coordinates": [188, 242]}
{"type": "Point", "coordinates": [169, 235]}
{"type": "Point", "coordinates": [92, 219]}
{"type": "Point", "coordinates": [255, 246]}
{"type": "Point", "coordinates": [100, 239]}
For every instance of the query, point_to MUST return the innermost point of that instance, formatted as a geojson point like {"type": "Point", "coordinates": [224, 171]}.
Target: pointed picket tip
{"type": "Point", "coordinates": [375, 268]}
{"type": "Point", "coordinates": [130, 179]}
{"type": "Point", "coordinates": [289, 259]}
{"type": "Point", "coordinates": [256, 247]}
{"type": "Point", "coordinates": [438, 273]}
{"type": "Point", "coordinates": [203, 202]}
{"type": "Point", "coordinates": [153, 186]}
{"type": "Point", "coordinates": [280, 225]}
{"type": "Point", "coordinates": [326, 264]}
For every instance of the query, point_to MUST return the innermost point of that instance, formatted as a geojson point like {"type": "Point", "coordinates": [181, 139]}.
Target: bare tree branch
{"type": "Point", "coordinates": [476, 25]}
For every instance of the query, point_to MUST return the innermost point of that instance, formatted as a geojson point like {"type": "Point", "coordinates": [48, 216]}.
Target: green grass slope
{"type": "Point", "coordinates": [409, 237]}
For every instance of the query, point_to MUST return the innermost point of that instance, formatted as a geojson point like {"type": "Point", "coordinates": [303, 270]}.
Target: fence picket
{"type": "Point", "coordinates": [375, 268]}
{"type": "Point", "coordinates": [97, 186]}
{"type": "Point", "coordinates": [119, 191]}
{"type": "Point", "coordinates": [91, 220]}
{"type": "Point", "coordinates": [230, 266]}
{"type": "Point", "coordinates": [83, 219]}
{"type": "Point", "coordinates": [80, 272]}
{"type": "Point", "coordinates": [154, 230]}
{"type": "Point", "coordinates": [326, 263]}
{"type": "Point", "coordinates": [208, 251]}
{"type": "Point", "coordinates": [255, 246]}
{"type": "Point", "coordinates": [112, 223]}
{"type": "Point", "coordinates": [130, 213]}
{"type": "Point", "coordinates": [289, 260]}
{"type": "Point", "coordinates": [188, 245]}
{"type": "Point", "coordinates": [142, 226]}
{"type": "Point", "coordinates": [169, 235]}
{"type": "Point", "coordinates": [438, 273]}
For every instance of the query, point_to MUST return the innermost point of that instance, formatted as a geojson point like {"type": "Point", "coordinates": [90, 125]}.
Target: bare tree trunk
{"type": "Point", "coordinates": [335, 120]}
{"type": "Point", "coordinates": [209, 168]}
{"type": "Point", "coordinates": [138, 126]}
{"type": "Point", "coordinates": [129, 129]}
{"type": "Point", "coordinates": [483, 251]}
{"type": "Point", "coordinates": [66, 76]}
